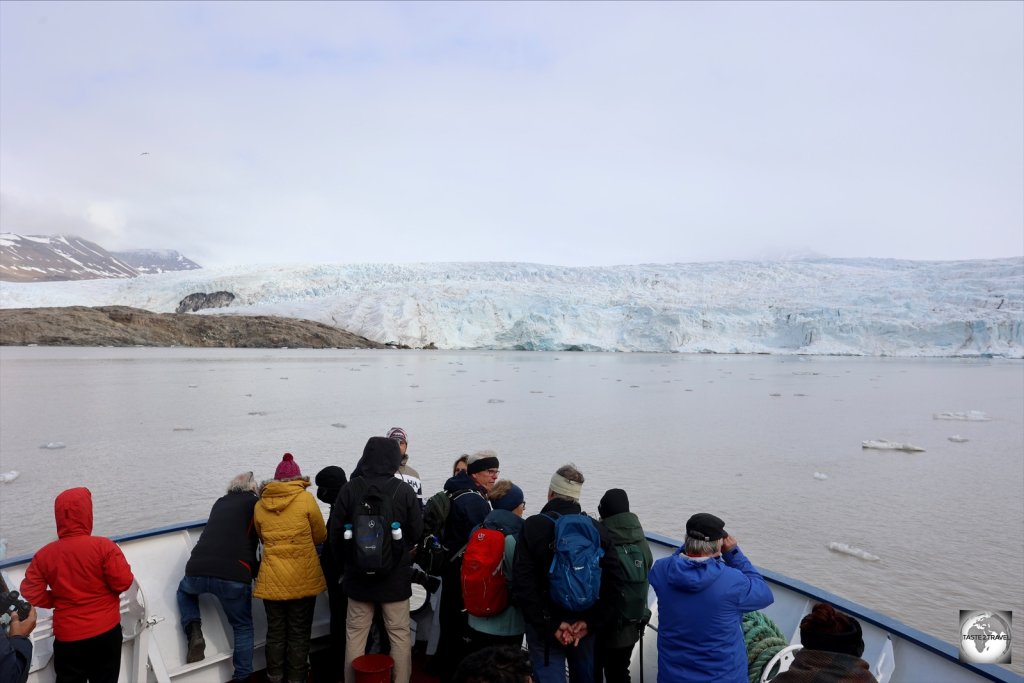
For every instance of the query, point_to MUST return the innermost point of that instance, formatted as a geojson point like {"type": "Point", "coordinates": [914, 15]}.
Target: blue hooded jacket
{"type": "Point", "coordinates": [700, 613]}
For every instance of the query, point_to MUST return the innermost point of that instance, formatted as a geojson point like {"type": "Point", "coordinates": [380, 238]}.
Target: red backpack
{"type": "Point", "coordinates": [484, 587]}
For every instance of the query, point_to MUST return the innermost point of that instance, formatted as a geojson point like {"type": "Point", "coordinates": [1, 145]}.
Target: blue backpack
{"type": "Point", "coordinates": [574, 578]}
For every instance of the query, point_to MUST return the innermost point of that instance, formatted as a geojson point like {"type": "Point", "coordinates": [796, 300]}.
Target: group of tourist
{"type": "Point", "coordinates": [572, 587]}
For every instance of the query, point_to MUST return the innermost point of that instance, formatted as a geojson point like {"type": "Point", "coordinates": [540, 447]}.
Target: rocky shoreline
{"type": "Point", "coordinates": [125, 326]}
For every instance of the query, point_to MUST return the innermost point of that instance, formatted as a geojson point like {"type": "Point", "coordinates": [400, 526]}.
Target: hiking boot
{"type": "Point", "coordinates": [196, 644]}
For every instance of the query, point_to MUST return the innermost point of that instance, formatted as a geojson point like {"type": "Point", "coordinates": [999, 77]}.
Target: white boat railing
{"type": "Point", "coordinates": [155, 645]}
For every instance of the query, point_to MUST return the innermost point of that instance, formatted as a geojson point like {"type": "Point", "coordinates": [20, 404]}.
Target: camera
{"type": "Point", "coordinates": [11, 603]}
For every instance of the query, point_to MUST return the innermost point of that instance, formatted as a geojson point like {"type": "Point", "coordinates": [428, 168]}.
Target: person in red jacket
{"type": "Point", "coordinates": [80, 576]}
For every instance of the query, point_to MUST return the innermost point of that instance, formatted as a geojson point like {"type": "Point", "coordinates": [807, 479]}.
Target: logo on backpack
{"type": "Point", "coordinates": [574, 578]}
{"type": "Point", "coordinates": [484, 586]}
{"type": "Point", "coordinates": [634, 566]}
{"type": "Point", "coordinates": [374, 550]}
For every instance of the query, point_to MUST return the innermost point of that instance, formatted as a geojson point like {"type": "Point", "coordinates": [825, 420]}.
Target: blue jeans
{"type": "Point", "coordinates": [580, 657]}
{"type": "Point", "coordinates": [236, 600]}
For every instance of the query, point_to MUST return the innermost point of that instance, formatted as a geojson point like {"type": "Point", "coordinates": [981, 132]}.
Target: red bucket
{"type": "Point", "coordinates": [373, 668]}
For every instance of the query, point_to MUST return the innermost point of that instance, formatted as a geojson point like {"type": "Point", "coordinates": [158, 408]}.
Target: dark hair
{"type": "Point", "coordinates": [826, 629]}
{"type": "Point", "coordinates": [495, 664]}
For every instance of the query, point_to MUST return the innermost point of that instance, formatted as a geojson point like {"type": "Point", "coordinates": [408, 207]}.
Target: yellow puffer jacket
{"type": "Point", "coordinates": [290, 524]}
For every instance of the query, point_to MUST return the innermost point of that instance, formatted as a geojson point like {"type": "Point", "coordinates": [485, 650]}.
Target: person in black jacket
{"type": "Point", "coordinates": [16, 648]}
{"type": "Point", "coordinates": [329, 482]}
{"type": "Point", "coordinates": [224, 563]}
{"type": "Point", "coordinates": [554, 634]}
{"type": "Point", "coordinates": [390, 588]}
{"type": "Point", "coordinates": [469, 507]}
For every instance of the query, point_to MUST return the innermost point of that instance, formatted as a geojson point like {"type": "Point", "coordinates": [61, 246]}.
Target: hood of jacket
{"type": "Point", "coordinates": [460, 482]}
{"type": "Point", "coordinates": [624, 528]}
{"type": "Point", "coordinates": [693, 575]}
{"type": "Point", "coordinates": [381, 457]}
{"type": "Point", "coordinates": [277, 494]}
{"type": "Point", "coordinates": [561, 507]}
{"type": "Point", "coordinates": [811, 665]}
{"type": "Point", "coordinates": [73, 512]}
{"type": "Point", "coordinates": [509, 523]}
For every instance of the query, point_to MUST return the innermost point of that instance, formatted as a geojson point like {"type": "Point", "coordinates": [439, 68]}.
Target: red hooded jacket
{"type": "Point", "coordinates": [79, 575]}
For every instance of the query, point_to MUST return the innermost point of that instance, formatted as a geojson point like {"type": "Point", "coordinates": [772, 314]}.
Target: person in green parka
{"type": "Point", "coordinates": [615, 645]}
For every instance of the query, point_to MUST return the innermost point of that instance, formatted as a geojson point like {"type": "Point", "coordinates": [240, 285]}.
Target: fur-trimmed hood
{"type": "Point", "coordinates": [277, 494]}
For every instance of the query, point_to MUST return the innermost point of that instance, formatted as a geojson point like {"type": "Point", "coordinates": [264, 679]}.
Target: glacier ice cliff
{"type": "Point", "coordinates": [869, 307]}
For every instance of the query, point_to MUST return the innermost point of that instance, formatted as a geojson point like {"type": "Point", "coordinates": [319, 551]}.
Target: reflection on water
{"type": "Point", "coordinates": [157, 433]}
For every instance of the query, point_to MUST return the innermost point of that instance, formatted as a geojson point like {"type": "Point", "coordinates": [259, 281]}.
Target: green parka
{"type": "Point", "coordinates": [624, 529]}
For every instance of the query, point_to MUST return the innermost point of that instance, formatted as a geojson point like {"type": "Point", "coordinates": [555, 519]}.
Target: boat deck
{"type": "Point", "coordinates": [154, 648]}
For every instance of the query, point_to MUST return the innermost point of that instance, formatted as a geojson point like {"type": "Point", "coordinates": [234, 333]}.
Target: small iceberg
{"type": "Point", "coordinates": [883, 445]}
{"type": "Point", "coordinates": [956, 438]}
{"type": "Point", "coordinates": [820, 476]}
{"type": "Point", "coordinates": [8, 477]}
{"type": "Point", "coordinates": [53, 445]}
{"type": "Point", "coordinates": [852, 550]}
{"type": "Point", "coordinates": [969, 416]}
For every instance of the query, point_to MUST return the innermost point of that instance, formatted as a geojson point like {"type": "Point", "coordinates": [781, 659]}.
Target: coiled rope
{"type": "Point", "coordinates": [763, 640]}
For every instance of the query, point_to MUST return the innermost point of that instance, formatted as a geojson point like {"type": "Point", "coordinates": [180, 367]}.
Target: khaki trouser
{"type": "Point", "coordinates": [396, 621]}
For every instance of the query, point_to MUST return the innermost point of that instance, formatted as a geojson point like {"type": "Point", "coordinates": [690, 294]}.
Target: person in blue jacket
{"type": "Point", "coordinates": [16, 648]}
{"type": "Point", "coordinates": [703, 591]}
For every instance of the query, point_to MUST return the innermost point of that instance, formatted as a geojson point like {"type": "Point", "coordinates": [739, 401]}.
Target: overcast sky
{"type": "Point", "coordinates": [562, 133]}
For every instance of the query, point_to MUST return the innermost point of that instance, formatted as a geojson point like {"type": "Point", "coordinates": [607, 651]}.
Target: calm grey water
{"type": "Point", "coordinates": [156, 434]}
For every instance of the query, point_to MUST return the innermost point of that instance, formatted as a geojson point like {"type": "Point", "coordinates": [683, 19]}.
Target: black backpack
{"type": "Point", "coordinates": [433, 553]}
{"type": "Point", "coordinates": [371, 548]}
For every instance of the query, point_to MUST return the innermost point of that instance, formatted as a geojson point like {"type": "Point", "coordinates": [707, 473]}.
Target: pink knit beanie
{"type": "Point", "coordinates": [288, 468]}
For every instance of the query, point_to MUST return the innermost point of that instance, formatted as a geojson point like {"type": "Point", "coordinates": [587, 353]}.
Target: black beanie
{"type": "Point", "coordinates": [329, 481]}
{"type": "Point", "coordinates": [613, 502]}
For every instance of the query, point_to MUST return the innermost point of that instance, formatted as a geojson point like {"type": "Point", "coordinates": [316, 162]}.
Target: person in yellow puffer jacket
{"type": "Point", "coordinates": [290, 525]}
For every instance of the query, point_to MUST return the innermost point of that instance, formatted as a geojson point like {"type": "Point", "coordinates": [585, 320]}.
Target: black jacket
{"type": "Point", "coordinates": [227, 547]}
{"type": "Point", "coordinates": [534, 553]}
{"type": "Point", "coordinates": [379, 463]}
{"type": "Point", "coordinates": [329, 482]}
{"type": "Point", "coordinates": [467, 512]}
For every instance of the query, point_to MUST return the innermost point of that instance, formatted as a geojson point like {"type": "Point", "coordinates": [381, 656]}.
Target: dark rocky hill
{"type": "Point", "coordinates": [124, 326]}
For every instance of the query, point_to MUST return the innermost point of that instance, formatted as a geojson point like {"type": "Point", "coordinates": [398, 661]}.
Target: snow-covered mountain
{"type": "Point", "coordinates": [147, 261]}
{"type": "Point", "coordinates": [51, 258]}
{"type": "Point", "coordinates": [859, 306]}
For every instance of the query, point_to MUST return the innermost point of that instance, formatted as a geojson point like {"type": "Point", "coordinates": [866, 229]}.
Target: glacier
{"type": "Point", "coordinates": [871, 307]}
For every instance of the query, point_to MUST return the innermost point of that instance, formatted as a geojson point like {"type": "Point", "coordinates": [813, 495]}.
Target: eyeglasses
{"type": "Point", "coordinates": [493, 472]}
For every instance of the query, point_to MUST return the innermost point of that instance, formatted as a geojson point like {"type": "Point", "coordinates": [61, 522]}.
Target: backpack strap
{"type": "Point", "coordinates": [455, 495]}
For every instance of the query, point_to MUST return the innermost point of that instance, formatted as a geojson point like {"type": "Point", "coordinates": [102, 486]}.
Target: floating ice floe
{"type": "Point", "coordinates": [495, 400]}
{"type": "Point", "coordinates": [820, 475]}
{"type": "Point", "coordinates": [852, 550]}
{"type": "Point", "coordinates": [53, 445]}
{"type": "Point", "coordinates": [956, 438]}
{"type": "Point", "coordinates": [883, 445]}
{"type": "Point", "coordinates": [3, 548]}
{"type": "Point", "coordinates": [969, 416]}
{"type": "Point", "coordinates": [7, 477]}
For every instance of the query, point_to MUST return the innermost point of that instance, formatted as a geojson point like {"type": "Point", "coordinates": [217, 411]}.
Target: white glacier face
{"type": "Point", "coordinates": [850, 306]}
